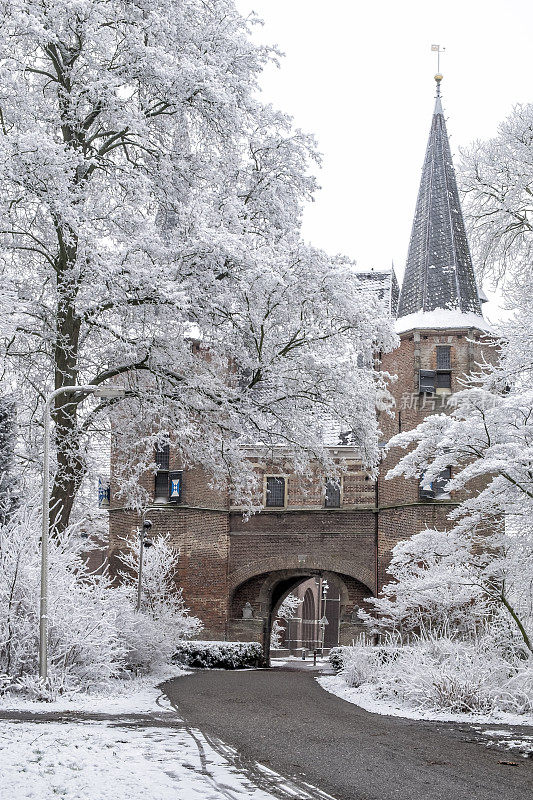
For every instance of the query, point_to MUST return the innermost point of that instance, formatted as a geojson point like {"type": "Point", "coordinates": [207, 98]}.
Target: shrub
{"type": "Point", "coordinates": [94, 633]}
{"type": "Point", "coordinates": [481, 674]}
{"type": "Point", "coordinates": [336, 658]}
{"type": "Point", "coordinates": [219, 655]}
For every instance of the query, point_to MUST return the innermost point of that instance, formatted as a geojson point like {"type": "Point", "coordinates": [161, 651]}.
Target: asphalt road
{"type": "Point", "coordinates": [284, 720]}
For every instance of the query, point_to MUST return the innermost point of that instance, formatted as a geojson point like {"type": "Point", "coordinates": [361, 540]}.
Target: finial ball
{"type": "Point", "coordinates": [438, 77]}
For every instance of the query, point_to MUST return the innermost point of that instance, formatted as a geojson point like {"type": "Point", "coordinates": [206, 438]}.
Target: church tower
{"type": "Point", "coordinates": [442, 331]}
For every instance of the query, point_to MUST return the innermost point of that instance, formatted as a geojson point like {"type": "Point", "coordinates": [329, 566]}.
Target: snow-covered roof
{"type": "Point", "coordinates": [441, 319]}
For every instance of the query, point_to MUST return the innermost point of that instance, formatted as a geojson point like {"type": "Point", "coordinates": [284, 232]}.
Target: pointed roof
{"type": "Point", "coordinates": [439, 272]}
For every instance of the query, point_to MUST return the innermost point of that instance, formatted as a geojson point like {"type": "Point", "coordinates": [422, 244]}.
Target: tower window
{"type": "Point", "coordinates": [444, 365]}
{"type": "Point", "coordinates": [333, 494]}
{"type": "Point", "coordinates": [275, 491]}
{"type": "Point", "coordinates": [443, 380]}
{"type": "Point", "coordinates": [444, 359]}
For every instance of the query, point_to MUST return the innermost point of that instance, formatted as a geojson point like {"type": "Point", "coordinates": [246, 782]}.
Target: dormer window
{"type": "Point", "coordinates": [333, 494]}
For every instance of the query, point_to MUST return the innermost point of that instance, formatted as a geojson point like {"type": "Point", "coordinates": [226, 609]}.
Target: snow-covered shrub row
{"type": "Point", "coordinates": [219, 655]}
{"type": "Point", "coordinates": [94, 632]}
{"type": "Point", "coordinates": [483, 674]}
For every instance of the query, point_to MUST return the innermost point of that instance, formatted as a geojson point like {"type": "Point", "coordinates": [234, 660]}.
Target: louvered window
{"type": "Point", "coordinates": [333, 494]}
{"type": "Point", "coordinates": [275, 491]}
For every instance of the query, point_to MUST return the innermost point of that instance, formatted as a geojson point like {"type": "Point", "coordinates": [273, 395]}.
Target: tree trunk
{"type": "Point", "coordinates": [70, 460]}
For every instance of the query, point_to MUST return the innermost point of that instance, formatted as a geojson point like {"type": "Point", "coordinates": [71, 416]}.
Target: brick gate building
{"type": "Point", "coordinates": [235, 573]}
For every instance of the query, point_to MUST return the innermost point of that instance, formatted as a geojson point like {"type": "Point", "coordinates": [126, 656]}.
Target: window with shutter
{"type": "Point", "coordinates": [275, 491]}
{"type": "Point", "coordinates": [426, 381]}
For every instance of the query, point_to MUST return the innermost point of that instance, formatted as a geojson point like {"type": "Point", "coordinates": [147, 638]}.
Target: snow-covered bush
{"type": "Point", "coordinates": [162, 606]}
{"type": "Point", "coordinates": [335, 657]}
{"type": "Point", "coordinates": [219, 655]}
{"type": "Point", "coordinates": [441, 673]}
{"type": "Point", "coordinates": [94, 632]}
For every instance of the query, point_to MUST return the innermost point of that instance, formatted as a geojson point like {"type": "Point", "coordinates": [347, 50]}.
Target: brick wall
{"type": "Point", "coordinates": [201, 542]}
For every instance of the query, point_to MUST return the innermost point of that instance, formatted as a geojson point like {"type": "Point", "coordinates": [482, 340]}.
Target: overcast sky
{"type": "Point", "coordinates": [359, 75]}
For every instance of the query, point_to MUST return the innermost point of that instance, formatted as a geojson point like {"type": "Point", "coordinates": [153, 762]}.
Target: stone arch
{"type": "Point", "coordinates": [308, 564]}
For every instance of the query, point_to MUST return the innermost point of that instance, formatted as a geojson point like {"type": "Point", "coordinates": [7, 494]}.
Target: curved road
{"type": "Point", "coordinates": [283, 719]}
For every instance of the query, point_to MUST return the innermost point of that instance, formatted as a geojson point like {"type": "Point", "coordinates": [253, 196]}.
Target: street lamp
{"type": "Point", "coordinates": [146, 525]}
{"type": "Point", "coordinates": [108, 392]}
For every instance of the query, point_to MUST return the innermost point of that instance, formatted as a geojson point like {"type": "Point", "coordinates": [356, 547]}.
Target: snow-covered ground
{"type": "Point", "coordinates": [364, 697]}
{"type": "Point", "coordinates": [97, 761]}
{"type": "Point", "coordinates": [137, 696]}
{"type": "Point", "coordinates": [139, 749]}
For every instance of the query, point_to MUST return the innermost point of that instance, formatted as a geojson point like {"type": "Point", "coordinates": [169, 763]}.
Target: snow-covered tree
{"type": "Point", "coordinates": [147, 198]}
{"type": "Point", "coordinates": [435, 588]}
{"type": "Point", "coordinates": [487, 440]}
{"type": "Point", "coordinates": [287, 610]}
{"type": "Point", "coordinates": [8, 480]}
{"type": "Point", "coordinates": [496, 177]}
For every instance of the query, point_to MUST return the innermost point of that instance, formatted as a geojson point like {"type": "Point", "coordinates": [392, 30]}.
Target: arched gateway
{"type": "Point", "coordinates": [333, 593]}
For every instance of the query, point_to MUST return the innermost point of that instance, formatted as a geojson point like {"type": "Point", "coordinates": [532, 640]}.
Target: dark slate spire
{"type": "Point", "coordinates": [439, 272]}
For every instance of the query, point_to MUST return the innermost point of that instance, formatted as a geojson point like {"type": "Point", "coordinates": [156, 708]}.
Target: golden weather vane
{"type": "Point", "coordinates": [436, 48]}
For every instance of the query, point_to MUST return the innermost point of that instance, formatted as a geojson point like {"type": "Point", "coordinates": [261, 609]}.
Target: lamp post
{"type": "Point", "coordinates": [146, 525]}
{"type": "Point", "coordinates": [109, 392]}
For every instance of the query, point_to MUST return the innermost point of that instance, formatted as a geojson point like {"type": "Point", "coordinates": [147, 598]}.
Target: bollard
{"type": "Point", "coordinates": [314, 658]}
{"type": "Point", "coordinates": [303, 653]}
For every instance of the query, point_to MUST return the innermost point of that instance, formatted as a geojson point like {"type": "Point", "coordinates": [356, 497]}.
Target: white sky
{"type": "Point", "coordinates": [359, 75]}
